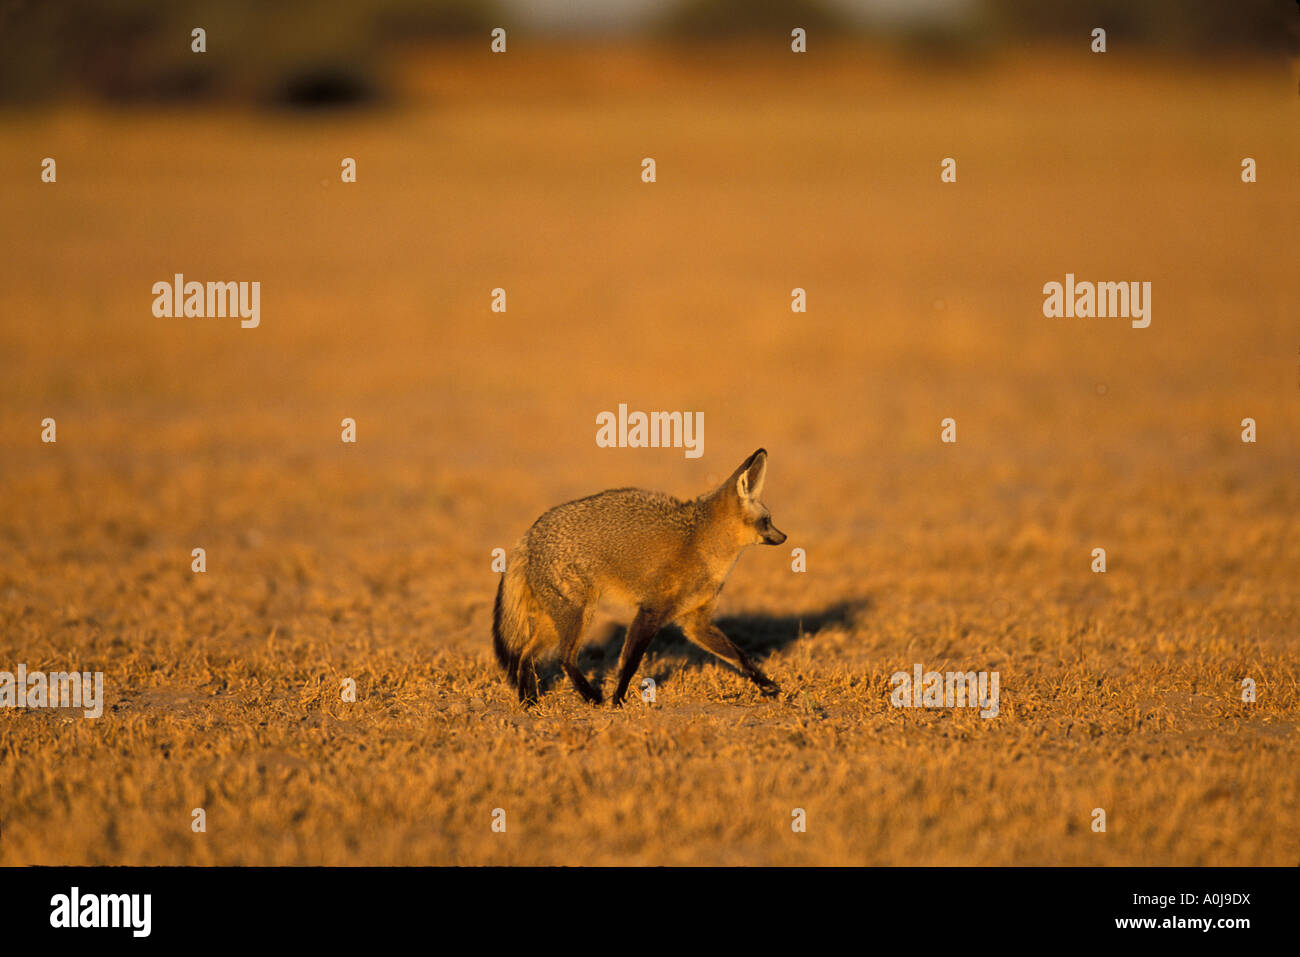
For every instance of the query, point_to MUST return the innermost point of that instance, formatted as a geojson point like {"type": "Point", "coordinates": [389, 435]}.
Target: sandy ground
{"type": "Point", "coordinates": [326, 561]}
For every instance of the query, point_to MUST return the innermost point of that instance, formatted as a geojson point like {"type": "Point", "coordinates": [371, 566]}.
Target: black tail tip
{"type": "Point", "coordinates": [498, 639]}
{"type": "Point", "coordinates": [509, 660]}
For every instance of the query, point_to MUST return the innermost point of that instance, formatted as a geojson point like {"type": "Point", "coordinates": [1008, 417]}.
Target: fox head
{"type": "Point", "coordinates": [746, 485]}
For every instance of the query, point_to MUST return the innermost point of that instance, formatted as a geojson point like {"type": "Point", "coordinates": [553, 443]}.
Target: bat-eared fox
{"type": "Point", "coordinates": [667, 557]}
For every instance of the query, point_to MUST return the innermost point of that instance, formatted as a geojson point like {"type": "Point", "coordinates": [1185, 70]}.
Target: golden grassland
{"type": "Point", "coordinates": [326, 561]}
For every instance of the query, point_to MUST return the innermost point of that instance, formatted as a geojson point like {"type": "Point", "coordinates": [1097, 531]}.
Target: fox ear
{"type": "Point", "coordinates": [749, 477]}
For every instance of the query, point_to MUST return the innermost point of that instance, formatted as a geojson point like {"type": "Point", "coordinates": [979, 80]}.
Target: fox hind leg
{"type": "Point", "coordinates": [570, 623]}
{"type": "Point", "coordinates": [589, 693]}
{"type": "Point", "coordinates": [524, 675]}
{"type": "Point", "coordinates": [527, 681]}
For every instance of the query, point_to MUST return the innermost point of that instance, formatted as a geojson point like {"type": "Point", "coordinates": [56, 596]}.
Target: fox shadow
{"type": "Point", "coordinates": [757, 634]}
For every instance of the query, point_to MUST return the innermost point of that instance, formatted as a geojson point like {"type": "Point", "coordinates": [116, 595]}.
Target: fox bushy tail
{"type": "Point", "coordinates": [512, 626]}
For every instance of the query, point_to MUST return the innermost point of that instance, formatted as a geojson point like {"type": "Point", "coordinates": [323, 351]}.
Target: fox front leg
{"type": "Point", "coordinates": [701, 631]}
{"type": "Point", "coordinates": [639, 633]}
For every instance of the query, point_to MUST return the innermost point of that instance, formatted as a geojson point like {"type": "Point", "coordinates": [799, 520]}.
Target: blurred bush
{"type": "Point", "coordinates": [1190, 25]}
{"type": "Point", "coordinates": [1196, 26]}
{"type": "Point", "coordinates": [290, 52]}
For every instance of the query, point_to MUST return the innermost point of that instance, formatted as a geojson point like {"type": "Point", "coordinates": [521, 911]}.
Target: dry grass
{"type": "Point", "coordinates": [1119, 691]}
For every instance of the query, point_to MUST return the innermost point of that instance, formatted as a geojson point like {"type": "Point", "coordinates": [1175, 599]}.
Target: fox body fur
{"type": "Point", "coordinates": [667, 557]}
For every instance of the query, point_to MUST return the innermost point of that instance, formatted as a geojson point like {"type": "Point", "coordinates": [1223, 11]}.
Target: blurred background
{"type": "Point", "coordinates": [337, 52]}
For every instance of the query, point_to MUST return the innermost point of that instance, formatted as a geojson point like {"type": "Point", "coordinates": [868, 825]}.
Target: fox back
{"type": "Point", "coordinates": [627, 542]}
